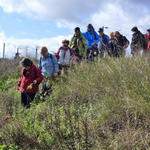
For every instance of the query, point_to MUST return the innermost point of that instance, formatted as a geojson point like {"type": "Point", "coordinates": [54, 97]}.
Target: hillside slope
{"type": "Point", "coordinates": [101, 106]}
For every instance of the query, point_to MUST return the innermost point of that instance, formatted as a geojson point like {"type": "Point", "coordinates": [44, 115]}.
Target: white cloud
{"type": "Point", "coordinates": [116, 14]}
{"type": "Point", "coordinates": [70, 13]}
{"type": "Point", "coordinates": [72, 10]}
{"type": "Point", "coordinates": [12, 44]}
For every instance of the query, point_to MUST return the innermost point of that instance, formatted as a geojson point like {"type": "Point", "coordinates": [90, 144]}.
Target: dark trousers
{"type": "Point", "coordinates": [46, 88]}
{"type": "Point", "coordinates": [63, 68]}
{"type": "Point", "coordinates": [27, 98]}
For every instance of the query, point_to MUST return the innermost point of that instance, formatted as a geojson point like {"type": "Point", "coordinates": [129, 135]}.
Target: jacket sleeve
{"type": "Point", "coordinates": [56, 67]}
{"type": "Point", "coordinates": [19, 83]}
{"type": "Point", "coordinates": [85, 45]}
{"type": "Point", "coordinates": [72, 53]}
{"type": "Point", "coordinates": [147, 37]}
{"type": "Point", "coordinates": [85, 35]}
{"type": "Point", "coordinates": [40, 65]}
{"type": "Point", "coordinates": [71, 43]}
{"type": "Point", "coordinates": [97, 38]}
{"type": "Point", "coordinates": [57, 54]}
{"type": "Point", "coordinates": [39, 76]}
{"type": "Point", "coordinates": [108, 39]}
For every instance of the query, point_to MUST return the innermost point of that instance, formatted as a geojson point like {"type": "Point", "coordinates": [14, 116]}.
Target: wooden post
{"type": "Point", "coordinates": [17, 50]}
{"type": "Point", "coordinates": [26, 51]}
{"type": "Point", "coordinates": [36, 53]}
{"type": "Point", "coordinates": [4, 50]}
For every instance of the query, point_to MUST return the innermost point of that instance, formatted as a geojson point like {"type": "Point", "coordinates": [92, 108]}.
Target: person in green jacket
{"type": "Point", "coordinates": [78, 44]}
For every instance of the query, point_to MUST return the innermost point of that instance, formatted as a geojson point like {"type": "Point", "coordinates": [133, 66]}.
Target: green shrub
{"type": "Point", "coordinates": [99, 106]}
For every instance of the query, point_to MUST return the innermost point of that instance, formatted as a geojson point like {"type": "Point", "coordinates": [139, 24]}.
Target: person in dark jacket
{"type": "Point", "coordinates": [31, 77]}
{"type": "Point", "coordinates": [137, 43]}
{"type": "Point", "coordinates": [113, 52]}
{"type": "Point", "coordinates": [122, 43]}
{"type": "Point", "coordinates": [146, 52]}
{"type": "Point", "coordinates": [103, 44]}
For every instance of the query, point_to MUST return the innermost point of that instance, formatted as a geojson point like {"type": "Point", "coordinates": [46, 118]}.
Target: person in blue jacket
{"type": "Point", "coordinates": [91, 36]}
{"type": "Point", "coordinates": [49, 67]}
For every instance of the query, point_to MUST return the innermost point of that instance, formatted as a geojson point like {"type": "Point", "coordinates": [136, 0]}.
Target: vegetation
{"type": "Point", "coordinates": [99, 106]}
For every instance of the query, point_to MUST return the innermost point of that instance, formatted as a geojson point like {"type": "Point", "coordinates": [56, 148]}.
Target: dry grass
{"type": "Point", "coordinates": [101, 106]}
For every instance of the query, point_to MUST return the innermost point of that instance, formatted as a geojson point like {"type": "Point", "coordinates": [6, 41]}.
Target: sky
{"type": "Point", "coordinates": [28, 24]}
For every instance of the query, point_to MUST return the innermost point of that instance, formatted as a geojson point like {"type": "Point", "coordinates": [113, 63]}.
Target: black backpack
{"type": "Point", "coordinates": [125, 41]}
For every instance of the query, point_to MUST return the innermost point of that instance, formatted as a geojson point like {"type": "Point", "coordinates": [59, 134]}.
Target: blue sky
{"type": "Point", "coordinates": [19, 26]}
{"type": "Point", "coordinates": [25, 23]}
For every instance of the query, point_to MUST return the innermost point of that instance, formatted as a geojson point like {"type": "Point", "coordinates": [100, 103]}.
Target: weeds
{"type": "Point", "coordinates": [100, 106]}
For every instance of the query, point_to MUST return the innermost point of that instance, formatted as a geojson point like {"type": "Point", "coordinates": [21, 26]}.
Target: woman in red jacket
{"type": "Point", "coordinates": [146, 52]}
{"type": "Point", "coordinates": [31, 77]}
{"type": "Point", "coordinates": [147, 37]}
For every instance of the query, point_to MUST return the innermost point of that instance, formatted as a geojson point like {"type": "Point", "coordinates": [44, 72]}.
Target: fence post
{"type": "Point", "coordinates": [4, 50]}
{"type": "Point", "coordinates": [36, 53]}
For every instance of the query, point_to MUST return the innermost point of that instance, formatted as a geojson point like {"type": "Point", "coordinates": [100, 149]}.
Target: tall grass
{"type": "Point", "coordinates": [99, 106]}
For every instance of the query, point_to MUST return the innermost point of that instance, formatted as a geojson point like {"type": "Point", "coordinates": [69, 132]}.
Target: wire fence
{"type": "Point", "coordinates": [8, 50]}
{"type": "Point", "coordinates": [11, 51]}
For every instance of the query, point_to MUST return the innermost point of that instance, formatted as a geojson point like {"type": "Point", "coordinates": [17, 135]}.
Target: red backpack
{"type": "Point", "coordinates": [57, 54]}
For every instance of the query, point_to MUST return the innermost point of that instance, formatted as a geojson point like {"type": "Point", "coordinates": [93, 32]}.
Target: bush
{"type": "Point", "coordinates": [104, 105]}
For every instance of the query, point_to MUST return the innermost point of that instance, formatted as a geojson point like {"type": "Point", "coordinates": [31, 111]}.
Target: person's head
{"type": "Point", "coordinates": [112, 35]}
{"type": "Point", "coordinates": [101, 31]}
{"type": "Point", "coordinates": [117, 34]}
{"type": "Point", "coordinates": [90, 27]}
{"type": "Point", "coordinates": [134, 30]}
{"type": "Point", "coordinates": [65, 43]}
{"type": "Point", "coordinates": [26, 63]}
{"type": "Point", "coordinates": [148, 31]}
{"type": "Point", "coordinates": [77, 31]}
{"type": "Point", "coordinates": [44, 52]}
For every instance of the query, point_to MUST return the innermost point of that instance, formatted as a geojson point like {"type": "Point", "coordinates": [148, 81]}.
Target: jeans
{"type": "Point", "coordinates": [27, 98]}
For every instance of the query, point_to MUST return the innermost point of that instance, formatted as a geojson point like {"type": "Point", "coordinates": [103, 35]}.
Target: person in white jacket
{"type": "Point", "coordinates": [65, 55]}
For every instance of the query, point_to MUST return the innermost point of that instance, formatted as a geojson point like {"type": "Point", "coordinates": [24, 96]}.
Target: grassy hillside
{"type": "Point", "coordinates": [101, 106]}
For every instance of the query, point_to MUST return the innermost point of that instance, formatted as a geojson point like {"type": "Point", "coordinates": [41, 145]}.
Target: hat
{"type": "Point", "coordinates": [134, 29]}
{"type": "Point", "coordinates": [65, 41]}
{"type": "Point", "coordinates": [101, 30]}
{"type": "Point", "coordinates": [90, 26]}
{"type": "Point", "coordinates": [148, 30]}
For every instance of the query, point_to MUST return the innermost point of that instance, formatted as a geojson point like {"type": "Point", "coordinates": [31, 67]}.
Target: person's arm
{"type": "Point", "coordinates": [85, 35]}
{"type": "Point", "coordinates": [85, 45]}
{"type": "Point", "coordinates": [19, 83]}
{"type": "Point", "coordinates": [40, 65]}
{"type": "Point", "coordinates": [57, 54]}
{"type": "Point", "coordinates": [72, 55]}
{"type": "Point", "coordinates": [39, 77]}
{"type": "Point", "coordinates": [97, 38]}
{"type": "Point", "coordinates": [56, 66]}
{"type": "Point", "coordinates": [71, 43]}
{"type": "Point", "coordinates": [108, 39]}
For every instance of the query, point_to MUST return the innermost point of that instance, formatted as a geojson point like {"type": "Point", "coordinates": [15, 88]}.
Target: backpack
{"type": "Point", "coordinates": [57, 54]}
{"type": "Point", "coordinates": [144, 41]}
{"type": "Point", "coordinates": [51, 57]}
{"type": "Point", "coordinates": [125, 42]}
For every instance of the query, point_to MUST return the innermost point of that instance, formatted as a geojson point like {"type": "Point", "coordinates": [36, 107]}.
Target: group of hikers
{"type": "Point", "coordinates": [83, 46]}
